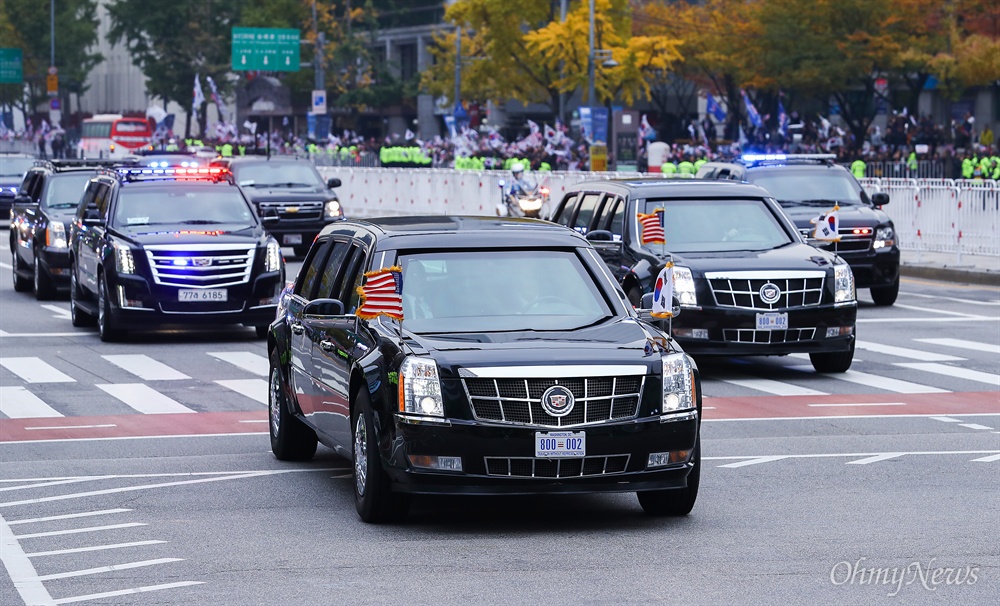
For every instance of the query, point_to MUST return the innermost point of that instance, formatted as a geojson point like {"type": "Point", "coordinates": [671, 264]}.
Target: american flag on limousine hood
{"type": "Point", "coordinates": [382, 294]}
{"type": "Point", "coordinates": [652, 227]}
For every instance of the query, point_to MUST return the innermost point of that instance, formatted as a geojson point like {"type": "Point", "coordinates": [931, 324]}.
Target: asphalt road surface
{"type": "Point", "coordinates": [140, 473]}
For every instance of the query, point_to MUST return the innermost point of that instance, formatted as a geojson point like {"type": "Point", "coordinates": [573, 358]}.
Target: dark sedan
{"type": "Point", "coordinates": [519, 368]}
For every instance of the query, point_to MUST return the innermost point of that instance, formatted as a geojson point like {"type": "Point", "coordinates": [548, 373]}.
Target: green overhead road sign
{"type": "Point", "coordinates": [265, 49]}
{"type": "Point", "coordinates": [11, 70]}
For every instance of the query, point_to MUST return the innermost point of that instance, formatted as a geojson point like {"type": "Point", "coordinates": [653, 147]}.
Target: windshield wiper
{"type": "Point", "coordinates": [815, 202]}
{"type": "Point", "coordinates": [199, 222]}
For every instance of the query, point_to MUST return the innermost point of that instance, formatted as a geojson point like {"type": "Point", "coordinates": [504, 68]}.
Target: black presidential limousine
{"type": "Point", "coordinates": [519, 367]}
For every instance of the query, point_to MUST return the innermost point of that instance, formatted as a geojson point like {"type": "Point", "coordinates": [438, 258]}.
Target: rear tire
{"type": "Point", "coordinates": [885, 295]}
{"type": "Point", "coordinates": [675, 502]}
{"type": "Point", "coordinates": [44, 288]}
{"type": "Point", "coordinates": [833, 361]}
{"type": "Point", "coordinates": [291, 439]}
{"type": "Point", "coordinates": [373, 495]}
{"type": "Point", "coordinates": [106, 327]}
{"type": "Point", "coordinates": [77, 316]}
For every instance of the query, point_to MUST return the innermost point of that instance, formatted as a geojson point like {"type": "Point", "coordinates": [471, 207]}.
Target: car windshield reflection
{"type": "Point", "coordinates": [720, 225]}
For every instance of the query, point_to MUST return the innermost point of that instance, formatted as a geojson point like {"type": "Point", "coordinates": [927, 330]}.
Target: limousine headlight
{"type": "Point", "coordinates": [843, 280]}
{"type": "Point", "coordinates": [678, 383]}
{"type": "Point", "coordinates": [420, 387]}
{"type": "Point", "coordinates": [332, 209]}
{"type": "Point", "coordinates": [684, 286]}
{"type": "Point", "coordinates": [55, 235]}
{"type": "Point", "coordinates": [272, 260]}
{"type": "Point", "coordinates": [124, 262]}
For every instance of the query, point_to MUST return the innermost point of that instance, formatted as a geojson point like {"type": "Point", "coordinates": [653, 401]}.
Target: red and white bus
{"type": "Point", "coordinates": [114, 136]}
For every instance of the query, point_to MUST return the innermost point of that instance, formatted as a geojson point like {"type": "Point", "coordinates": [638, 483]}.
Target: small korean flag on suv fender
{"type": "Point", "coordinates": [828, 226]}
{"type": "Point", "coordinates": [663, 293]}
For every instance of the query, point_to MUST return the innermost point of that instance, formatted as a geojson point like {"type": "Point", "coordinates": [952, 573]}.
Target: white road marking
{"type": "Point", "coordinates": [53, 483]}
{"type": "Point", "coordinates": [112, 568]}
{"type": "Point", "coordinates": [19, 403]}
{"type": "Point", "coordinates": [251, 362]}
{"type": "Point", "coordinates": [876, 458]}
{"type": "Point", "coordinates": [988, 459]}
{"type": "Point", "coordinates": [967, 301]}
{"type": "Point", "coordinates": [254, 421]}
{"type": "Point", "coordinates": [937, 311]}
{"type": "Point", "coordinates": [884, 383]}
{"type": "Point", "coordinates": [848, 405]}
{"type": "Point", "coordinates": [976, 426]}
{"type": "Point", "coordinates": [21, 570]}
{"type": "Point", "coordinates": [255, 389]}
{"type": "Point", "coordinates": [39, 554]}
{"type": "Point", "coordinates": [144, 399]}
{"type": "Point", "coordinates": [36, 335]}
{"type": "Point", "coordinates": [57, 533]}
{"type": "Point", "coordinates": [954, 371]}
{"type": "Point", "coordinates": [60, 312]}
{"type": "Point", "coordinates": [5, 265]}
{"type": "Point", "coordinates": [146, 368]}
{"type": "Point", "coordinates": [777, 388]}
{"type": "Point", "coordinates": [35, 370]}
{"type": "Point", "coordinates": [837, 417]}
{"type": "Point", "coordinates": [72, 427]}
{"type": "Point", "coordinates": [240, 434]}
{"type": "Point", "coordinates": [963, 344]}
{"type": "Point", "coordinates": [904, 352]}
{"type": "Point", "coordinates": [753, 461]}
{"type": "Point", "coordinates": [928, 320]}
{"type": "Point", "coordinates": [947, 419]}
{"type": "Point", "coordinates": [69, 516]}
{"type": "Point", "coordinates": [111, 594]}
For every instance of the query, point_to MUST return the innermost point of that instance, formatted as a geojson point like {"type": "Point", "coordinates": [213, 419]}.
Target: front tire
{"type": "Point", "coordinates": [291, 439]}
{"type": "Point", "coordinates": [833, 361]}
{"type": "Point", "coordinates": [373, 496]}
{"type": "Point", "coordinates": [77, 316]}
{"type": "Point", "coordinates": [885, 295]}
{"type": "Point", "coordinates": [44, 288]}
{"type": "Point", "coordinates": [106, 327]}
{"type": "Point", "coordinates": [20, 284]}
{"type": "Point", "coordinates": [675, 502]}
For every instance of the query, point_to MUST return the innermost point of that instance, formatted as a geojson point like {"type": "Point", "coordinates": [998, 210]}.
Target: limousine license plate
{"type": "Point", "coordinates": [772, 321]}
{"type": "Point", "coordinates": [208, 294]}
{"type": "Point", "coordinates": [292, 239]}
{"type": "Point", "coordinates": [560, 444]}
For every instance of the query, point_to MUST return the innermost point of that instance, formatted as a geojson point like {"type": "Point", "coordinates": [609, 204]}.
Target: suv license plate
{"type": "Point", "coordinates": [772, 321]}
{"type": "Point", "coordinates": [210, 294]}
{"type": "Point", "coordinates": [292, 239]}
{"type": "Point", "coordinates": [560, 444]}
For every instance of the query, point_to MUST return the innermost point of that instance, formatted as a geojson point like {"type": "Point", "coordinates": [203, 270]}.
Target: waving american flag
{"type": "Point", "coordinates": [652, 227]}
{"type": "Point", "coordinates": [382, 294]}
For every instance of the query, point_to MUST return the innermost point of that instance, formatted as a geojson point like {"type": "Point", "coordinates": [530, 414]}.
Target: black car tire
{"type": "Point", "coordinates": [261, 331]}
{"type": "Point", "coordinates": [885, 295]}
{"type": "Point", "coordinates": [291, 439]}
{"type": "Point", "coordinates": [20, 284]}
{"type": "Point", "coordinates": [301, 251]}
{"type": "Point", "coordinates": [832, 361]}
{"type": "Point", "coordinates": [44, 288]}
{"type": "Point", "coordinates": [106, 327]}
{"type": "Point", "coordinates": [373, 495]}
{"type": "Point", "coordinates": [675, 502]}
{"type": "Point", "coordinates": [76, 315]}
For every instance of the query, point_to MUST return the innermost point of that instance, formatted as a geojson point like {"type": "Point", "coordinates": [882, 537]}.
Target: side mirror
{"type": "Point", "coordinates": [270, 219]}
{"type": "Point", "coordinates": [600, 235]}
{"type": "Point", "coordinates": [324, 307]}
{"type": "Point", "coordinates": [880, 199]}
{"type": "Point", "coordinates": [22, 199]}
{"type": "Point", "coordinates": [646, 307]}
{"type": "Point", "coordinates": [333, 183]}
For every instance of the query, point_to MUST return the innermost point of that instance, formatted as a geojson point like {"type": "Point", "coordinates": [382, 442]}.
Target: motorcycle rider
{"type": "Point", "coordinates": [518, 185]}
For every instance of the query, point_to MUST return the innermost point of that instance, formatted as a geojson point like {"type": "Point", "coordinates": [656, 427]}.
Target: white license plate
{"type": "Point", "coordinates": [292, 239]}
{"type": "Point", "coordinates": [772, 321]}
{"type": "Point", "coordinates": [210, 294]}
{"type": "Point", "coordinates": [560, 444]}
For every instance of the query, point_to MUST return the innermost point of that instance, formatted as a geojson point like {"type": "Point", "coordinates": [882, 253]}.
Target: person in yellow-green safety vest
{"type": "Point", "coordinates": [227, 150]}
{"type": "Point", "coordinates": [668, 168]}
{"type": "Point", "coordinates": [858, 168]}
{"type": "Point", "coordinates": [686, 167]}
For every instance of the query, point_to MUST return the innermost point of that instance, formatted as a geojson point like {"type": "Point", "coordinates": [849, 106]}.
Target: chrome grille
{"type": "Point", "coordinates": [763, 337]}
{"type": "Point", "coordinates": [187, 266]}
{"type": "Point", "coordinates": [525, 467]}
{"type": "Point", "coordinates": [293, 210]}
{"type": "Point", "coordinates": [850, 242]}
{"type": "Point", "coordinates": [742, 289]}
{"type": "Point", "coordinates": [597, 400]}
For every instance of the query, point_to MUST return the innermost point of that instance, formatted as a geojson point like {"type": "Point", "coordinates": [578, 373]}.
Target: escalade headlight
{"type": "Point", "coordinates": [885, 237]}
{"type": "Point", "coordinates": [124, 262]}
{"type": "Point", "coordinates": [55, 235]}
{"type": "Point", "coordinates": [420, 388]}
{"type": "Point", "coordinates": [843, 281]}
{"type": "Point", "coordinates": [331, 210]}
{"type": "Point", "coordinates": [272, 259]}
{"type": "Point", "coordinates": [678, 383]}
{"type": "Point", "coordinates": [684, 286]}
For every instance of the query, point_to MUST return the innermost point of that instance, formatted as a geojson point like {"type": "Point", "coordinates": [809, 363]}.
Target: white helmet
{"type": "Point", "coordinates": [516, 168]}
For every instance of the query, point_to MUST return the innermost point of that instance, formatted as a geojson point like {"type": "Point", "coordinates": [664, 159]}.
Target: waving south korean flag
{"type": "Point", "coordinates": [663, 293]}
{"type": "Point", "coordinates": [828, 226]}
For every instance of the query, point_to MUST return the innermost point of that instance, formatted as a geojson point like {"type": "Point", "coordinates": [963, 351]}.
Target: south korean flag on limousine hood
{"type": "Point", "coordinates": [663, 293]}
{"type": "Point", "coordinates": [827, 226]}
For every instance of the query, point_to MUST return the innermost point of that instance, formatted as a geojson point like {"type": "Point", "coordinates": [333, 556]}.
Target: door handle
{"type": "Point", "coordinates": [327, 345]}
{"type": "Point", "coordinates": [297, 328]}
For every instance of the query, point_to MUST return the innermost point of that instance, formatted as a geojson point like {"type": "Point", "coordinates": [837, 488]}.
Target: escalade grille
{"type": "Point", "coordinates": [524, 467]}
{"type": "Point", "coordinates": [763, 337]}
{"type": "Point", "coordinates": [849, 241]}
{"type": "Point", "coordinates": [743, 289]}
{"type": "Point", "coordinates": [288, 211]}
{"type": "Point", "coordinates": [200, 266]}
{"type": "Point", "coordinates": [519, 401]}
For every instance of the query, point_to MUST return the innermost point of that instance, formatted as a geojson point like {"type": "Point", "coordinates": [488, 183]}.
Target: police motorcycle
{"type": "Point", "coordinates": [524, 197]}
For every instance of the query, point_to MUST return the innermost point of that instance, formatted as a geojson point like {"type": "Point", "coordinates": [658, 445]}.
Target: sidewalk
{"type": "Point", "coordinates": [973, 269]}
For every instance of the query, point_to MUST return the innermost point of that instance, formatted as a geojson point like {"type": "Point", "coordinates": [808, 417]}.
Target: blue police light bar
{"type": "Point", "coordinates": [202, 173]}
{"type": "Point", "coordinates": [751, 158]}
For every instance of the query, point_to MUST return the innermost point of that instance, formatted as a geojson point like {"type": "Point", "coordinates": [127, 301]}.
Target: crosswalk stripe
{"type": "Point", "coordinates": [34, 370]}
{"type": "Point", "coordinates": [777, 388]}
{"type": "Point", "coordinates": [954, 371]}
{"type": "Point", "coordinates": [144, 398]}
{"type": "Point", "coordinates": [963, 344]}
{"type": "Point", "coordinates": [885, 383]}
{"type": "Point", "coordinates": [905, 352]}
{"type": "Point", "coordinates": [146, 368]}
{"type": "Point", "coordinates": [61, 312]}
{"type": "Point", "coordinates": [255, 389]}
{"type": "Point", "coordinates": [19, 403]}
{"type": "Point", "coordinates": [244, 359]}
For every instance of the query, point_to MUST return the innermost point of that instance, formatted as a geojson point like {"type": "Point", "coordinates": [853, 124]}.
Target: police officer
{"type": "Point", "coordinates": [858, 168]}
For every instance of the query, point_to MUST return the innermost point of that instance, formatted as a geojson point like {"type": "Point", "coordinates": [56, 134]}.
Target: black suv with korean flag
{"type": "Point", "coordinates": [747, 282]}
{"type": "Point", "coordinates": [173, 246]}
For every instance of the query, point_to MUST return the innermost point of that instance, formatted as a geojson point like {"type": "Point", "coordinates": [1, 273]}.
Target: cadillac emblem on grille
{"type": "Point", "coordinates": [202, 261]}
{"type": "Point", "coordinates": [557, 401]}
{"type": "Point", "coordinates": [770, 293]}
